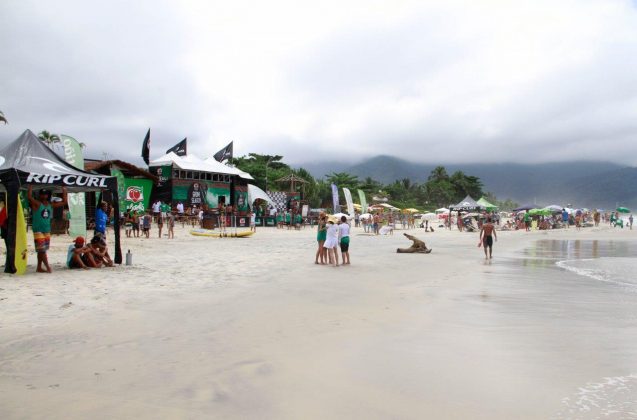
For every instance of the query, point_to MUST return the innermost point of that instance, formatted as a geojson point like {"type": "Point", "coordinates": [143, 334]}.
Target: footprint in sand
{"type": "Point", "coordinates": [66, 305]}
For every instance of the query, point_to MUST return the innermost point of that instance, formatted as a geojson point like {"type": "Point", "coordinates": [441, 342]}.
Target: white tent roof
{"type": "Point", "coordinates": [191, 162]}
{"type": "Point", "coordinates": [442, 210]}
{"type": "Point", "coordinates": [255, 192]}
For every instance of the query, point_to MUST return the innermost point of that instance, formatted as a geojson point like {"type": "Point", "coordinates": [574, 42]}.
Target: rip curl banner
{"type": "Point", "coordinates": [77, 204]}
{"type": "Point", "coordinates": [349, 201]}
{"type": "Point", "coordinates": [335, 204]}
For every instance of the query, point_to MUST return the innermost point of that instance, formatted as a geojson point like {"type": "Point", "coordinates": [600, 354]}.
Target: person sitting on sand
{"type": "Point", "coordinates": [80, 256]}
{"type": "Point", "coordinates": [487, 234]}
{"type": "Point", "coordinates": [100, 251]}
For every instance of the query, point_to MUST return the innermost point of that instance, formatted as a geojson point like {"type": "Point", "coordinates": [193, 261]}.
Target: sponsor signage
{"type": "Point", "coordinates": [68, 180]}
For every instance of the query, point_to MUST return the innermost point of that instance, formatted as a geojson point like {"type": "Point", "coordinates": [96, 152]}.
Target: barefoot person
{"type": "Point", "coordinates": [321, 235]}
{"type": "Point", "coordinates": [42, 210]}
{"type": "Point", "coordinates": [80, 256]}
{"type": "Point", "coordinates": [487, 235]}
{"type": "Point", "coordinates": [343, 233]}
{"type": "Point", "coordinates": [331, 242]}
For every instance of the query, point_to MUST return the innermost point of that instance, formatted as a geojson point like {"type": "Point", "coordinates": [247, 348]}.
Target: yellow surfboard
{"type": "Point", "coordinates": [216, 234]}
{"type": "Point", "coordinates": [20, 241]}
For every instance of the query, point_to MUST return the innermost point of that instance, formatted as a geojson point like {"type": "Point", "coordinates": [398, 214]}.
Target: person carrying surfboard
{"type": "Point", "coordinates": [42, 212]}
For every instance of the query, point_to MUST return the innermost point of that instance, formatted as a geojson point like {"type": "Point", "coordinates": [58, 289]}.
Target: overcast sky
{"type": "Point", "coordinates": [429, 81]}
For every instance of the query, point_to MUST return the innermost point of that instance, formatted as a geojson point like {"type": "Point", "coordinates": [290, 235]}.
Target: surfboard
{"type": "Point", "coordinates": [21, 252]}
{"type": "Point", "coordinates": [216, 234]}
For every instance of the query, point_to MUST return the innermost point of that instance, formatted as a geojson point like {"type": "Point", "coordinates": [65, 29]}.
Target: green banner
{"type": "Point", "coordinates": [121, 187]}
{"type": "Point", "coordinates": [363, 199]}
{"type": "Point", "coordinates": [241, 198]}
{"type": "Point", "coordinates": [137, 194]}
{"type": "Point", "coordinates": [76, 201]}
{"type": "Point", "coordinates": [198, 193]}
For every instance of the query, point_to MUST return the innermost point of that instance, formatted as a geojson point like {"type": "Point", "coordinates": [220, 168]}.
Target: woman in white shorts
{"type": "Point", "coordinates": [331, 242]}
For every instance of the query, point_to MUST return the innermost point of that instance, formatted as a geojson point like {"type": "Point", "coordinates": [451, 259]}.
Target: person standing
{"type": "Point", "coordinates": [630, 221]}
{"type": "Point", "coordinates": [331, 242]}
{"type": "Point", "coordinates": [42, 212]}
{"type": "Point", "coordinates": [527, 221]}
{"type": "Point", "coordinates": [343, 233]}
{"type": "Point", "coordinates": [253, 222]}
{"type": "Point", "coordinates": [170, 221]}
{"type": "Point", "coordinates": [101, 218]}
{"type": "Point", "coordinates": [565, 217]}
{"type": "Point", "coordinates": [157, 210]}
{"type": "Point", "coordinates": [487, 235]}
{"type": "Point", "coordinates": [321, 236]}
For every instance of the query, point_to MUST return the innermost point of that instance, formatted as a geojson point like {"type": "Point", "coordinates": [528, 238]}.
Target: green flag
{"type": "Point", "coordinates": [77, 207]}
{"type": "Point", "coordinates": [361, 195]}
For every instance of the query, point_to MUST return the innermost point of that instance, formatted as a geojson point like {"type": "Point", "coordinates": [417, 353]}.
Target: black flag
{"type": "Point", "coordinates": [180, 149]}
{"type": "Point", "coordinates": [146, 147]}
{"type": "Point", "coordinates": [225, 153]}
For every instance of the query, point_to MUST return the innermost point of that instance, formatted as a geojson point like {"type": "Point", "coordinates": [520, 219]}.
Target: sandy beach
{"type": "Point", "coordinates": [252, 328]}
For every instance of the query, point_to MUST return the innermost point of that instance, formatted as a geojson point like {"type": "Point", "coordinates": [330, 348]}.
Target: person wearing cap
{"type": "Point", "coordinates": [42, 212]}
{"type": "Point", "coordinates": [100, 251]}
{"type": "Point", "coordinates": [80, 256]}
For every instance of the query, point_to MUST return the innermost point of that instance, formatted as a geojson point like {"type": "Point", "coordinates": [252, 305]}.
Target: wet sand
{"type": "Point", "coordinates": [252, 328]}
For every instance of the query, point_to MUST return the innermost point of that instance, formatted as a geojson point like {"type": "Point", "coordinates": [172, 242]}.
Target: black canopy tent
{"type": "Point", "coordinates": [27, 161]}
{"type": "Point", "coordinates": [467, 204]}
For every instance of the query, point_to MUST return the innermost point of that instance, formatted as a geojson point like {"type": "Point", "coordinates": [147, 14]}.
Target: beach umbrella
{"type": "Point", "coordinates": [525, 207]}
{"type": "Point", "coordinates": [429, 216]}
{"type": "Point", "coordinates": [540, 212]}
{"type": "Point", "coordinates": [366, 216]}
{"type": "Point", "coordinates": [442, 210]}
{"type": "Point", "coordinates": [622, 210]}
{"type": "Point", "coordinates": [554, 208]}
{"type": "Point", "coordinates": [339, 215]}
{"type": "Point", "coordinates": [411, 210]}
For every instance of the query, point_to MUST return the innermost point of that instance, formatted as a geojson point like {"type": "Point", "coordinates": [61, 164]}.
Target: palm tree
{"type": "Point", "coordinates": [3, 118]}
{"type": "Point", "coordinates": [49, 139]}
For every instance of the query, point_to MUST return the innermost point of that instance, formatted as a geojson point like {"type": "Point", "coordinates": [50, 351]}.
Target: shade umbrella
{"type": "Point", "coordinates": [411, 210]}
{"type": "Point", "coordinates": [554, 208]}
{"type": "Point", "coordinates": [540, 212]}
{"type": "Point", "coordinates": [525, 207]}
{"type": "Point", "coordinates": [430, 216]}
{"type": "Point", "coordinates": [365, 216]}
{"type": "Point", "coordinates": [622, 210]}
{"type": "Point", "coordinates": [442, 210]}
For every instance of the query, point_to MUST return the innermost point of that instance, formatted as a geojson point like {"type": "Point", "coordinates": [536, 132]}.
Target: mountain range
{"type": "Point", "coordinates": [591, 184]}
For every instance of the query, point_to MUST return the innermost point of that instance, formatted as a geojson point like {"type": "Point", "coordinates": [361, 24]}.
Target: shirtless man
{"type": "Point", "coordinates": [487, 235]}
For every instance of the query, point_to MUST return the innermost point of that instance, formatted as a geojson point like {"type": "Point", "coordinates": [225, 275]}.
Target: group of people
{"type": "Point", "coordinates": [80, 255]}
{"type": "Point", "coordinates": [330, 236]}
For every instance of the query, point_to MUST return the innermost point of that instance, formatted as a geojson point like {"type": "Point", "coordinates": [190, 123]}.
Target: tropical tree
{"type": "Point", "coordinates": [466, 185]}
{"type": "Point", "coordinates": [49, 139]}
{"type": "Point", "coordinates": [343, 180]}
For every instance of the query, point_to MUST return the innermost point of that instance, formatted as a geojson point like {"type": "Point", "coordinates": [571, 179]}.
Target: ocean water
{"type": "Point", "coordinates": [596, 282]}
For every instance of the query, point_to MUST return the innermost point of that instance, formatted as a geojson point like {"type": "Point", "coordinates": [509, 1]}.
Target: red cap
{"type": "Point", "coordinates": [79, 241]}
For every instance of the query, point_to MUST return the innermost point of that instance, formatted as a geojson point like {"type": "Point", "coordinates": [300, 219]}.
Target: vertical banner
{"type": "Point", "coordinates": [335, 204]}
{"type": "Point", "coordinates": [361, 195]}
{"type": "Point", "coordinates": [121, 187]}
{"type": "Point", "coordinates": [76, 201]}
{"type": "Point", "coordinates": [349, 201]}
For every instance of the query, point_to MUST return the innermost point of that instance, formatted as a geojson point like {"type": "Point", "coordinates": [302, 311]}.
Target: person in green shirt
{"type": "Point", "coordinates": [42, 213]}
{"type": "Point", "coordinates": [527, 221]}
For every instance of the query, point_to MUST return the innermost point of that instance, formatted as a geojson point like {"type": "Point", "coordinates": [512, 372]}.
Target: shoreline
{"type": "Point", "coordinates": [252, 327]}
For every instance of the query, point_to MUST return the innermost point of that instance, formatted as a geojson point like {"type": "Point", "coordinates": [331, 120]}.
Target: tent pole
{"type": "Point", "coordinates": [118, 245]}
